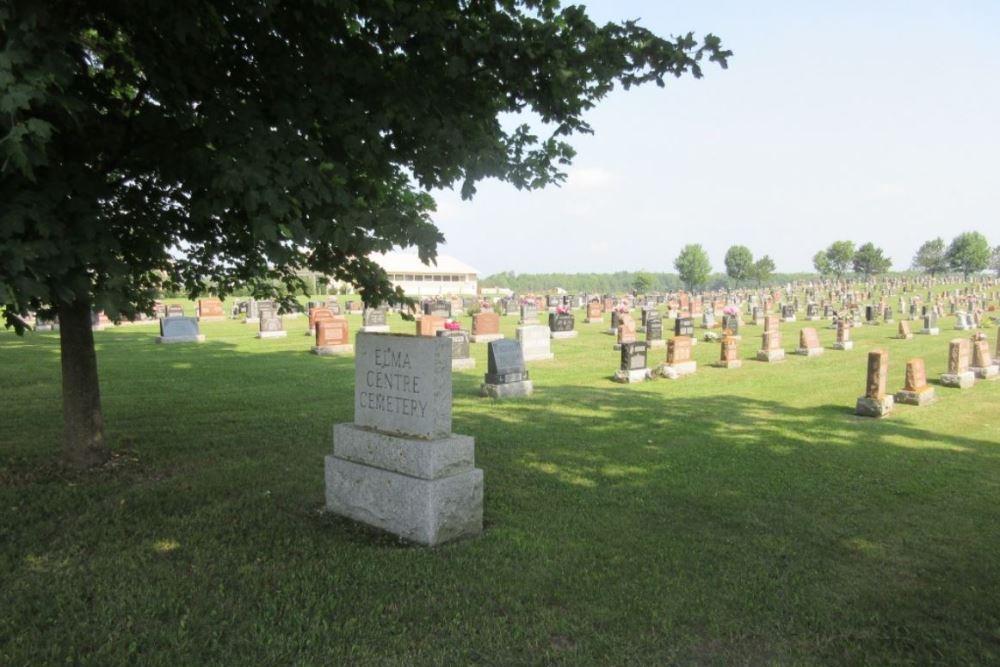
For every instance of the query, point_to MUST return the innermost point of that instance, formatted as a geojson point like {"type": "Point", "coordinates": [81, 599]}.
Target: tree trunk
{"type": "Point", "coordinates": [83, 423]}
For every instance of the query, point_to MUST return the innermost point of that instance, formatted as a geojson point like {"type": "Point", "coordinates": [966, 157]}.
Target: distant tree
{"type": "Point", "coordinates": [969, 253]}
{"type": "Point", "coordinates": [995, 260]}
{"type": "Point", "coordinates": [871, 261]}
{"type": "Point", "coordinates": [931, 257]}
{"type": "Point", "coordinates": [840, 254]}
{"type": "Point", "coordinates": [693, 266]}
{"type": "Point", "coordinates": [762, 269]}
{"type": "Point", "coordinates": [822, 263]}
{"type": "Point", "coordinates": [739, 262]}
{"type": "Point", "coordinates": [642, 282]}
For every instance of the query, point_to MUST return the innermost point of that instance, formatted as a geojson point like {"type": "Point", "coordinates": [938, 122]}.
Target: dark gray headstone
{"type": "Point", "coordinates": [505, 362]}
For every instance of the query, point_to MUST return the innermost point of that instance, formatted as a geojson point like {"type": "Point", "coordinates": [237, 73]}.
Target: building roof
{"type": "Point", "coordinates": [400, 262]}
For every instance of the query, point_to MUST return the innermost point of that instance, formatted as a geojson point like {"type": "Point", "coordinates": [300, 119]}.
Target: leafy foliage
{"type": "Point", "coordinates": [762, 270]}
{"type": "Point", "coordinates": [739, 263]}
{"type": "Point", "coordinates": [835, 260]}
{"type": "Point", "coordinates": [642, 282]}
{"type": "Point", "coordinates": [871, 261]}
{"type": "Point", "coordinates": [969, 252]}
{"type": "Point", "coordinates": [693, 266]}
{"type": "Point", "coordinates": [152, 146]}
{"type": "Point", "coordinates": [931, 257]}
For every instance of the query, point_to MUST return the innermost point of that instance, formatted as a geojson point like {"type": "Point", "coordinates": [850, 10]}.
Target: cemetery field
{"type": "Point", "coordinates": [734, 516]}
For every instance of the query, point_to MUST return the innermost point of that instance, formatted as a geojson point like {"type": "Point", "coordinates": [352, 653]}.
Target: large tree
{"type": "Point", "coordinates": [931, 257]}
{"type": "Point", "coordinates": [969, 252]}
{"type": "Point", "coordinates": [870, 260]}
{"type": "Point", "coordinates": [835, 260]}
{"type": "Point", "coordinates": [211, 144]}
{"type": "Point", "coordinates": [739, 263]}
{"type": "Point", "coordinates": [693, 265]}
{"type": "Point", "coordinates": [762, 270]}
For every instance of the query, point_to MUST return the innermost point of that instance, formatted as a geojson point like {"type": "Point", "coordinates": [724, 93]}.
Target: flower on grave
{"type": "Point", "coordinates": [452, 325]}
{"type": "Point", "coordinates": [730, 310]}
{"type": "Point", "coordinates": [562, 310]}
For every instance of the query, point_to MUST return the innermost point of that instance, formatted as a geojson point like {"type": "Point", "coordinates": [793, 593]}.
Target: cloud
{"type": "Point", "coordinates": [591, 179]}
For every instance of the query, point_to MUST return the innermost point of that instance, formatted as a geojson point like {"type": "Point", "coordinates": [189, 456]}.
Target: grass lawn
{"type": "Point", "coordinates": [735, 516]}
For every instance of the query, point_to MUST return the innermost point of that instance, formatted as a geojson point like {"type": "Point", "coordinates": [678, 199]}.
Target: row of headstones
{"type": "Point", "coordinates": [962, 373]}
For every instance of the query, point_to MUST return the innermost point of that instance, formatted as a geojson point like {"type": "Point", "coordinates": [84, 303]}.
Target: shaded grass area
{"type": "Point", "coordinates": [737, 516]}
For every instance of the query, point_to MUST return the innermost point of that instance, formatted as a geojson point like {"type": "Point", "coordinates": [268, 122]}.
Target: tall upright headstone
{"type": "Point", "coordinates": [771, 350]}
{"type": "Point", "coordinates": [535, 342]}
{"type": "Point", "coordinates": [398, 466]}
{"type": "Point", "coordinates": [485, 327]}
{"type": "Point", "coordinates": [843, 341]}
{"type": "Point", "coordinates": [809, 345]}
{"type": "Point", "coordinates": [958, 374]}
{"type": "Point", "coordinates": [982, 363]}
{"type": "Point", "coordinates": [875, 402]}
{"type": "Point", "coordinates": [679, 362]}
{"type": "Point", "coordinates": [915, 390]}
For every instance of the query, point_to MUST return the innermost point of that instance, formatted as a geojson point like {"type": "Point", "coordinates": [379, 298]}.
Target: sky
{"type": "Point", "coordinates": [868, 121]}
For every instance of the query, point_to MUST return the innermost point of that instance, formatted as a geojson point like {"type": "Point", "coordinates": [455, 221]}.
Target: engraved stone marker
{"type": "Point", "coordinates": [875, 402]}
{"type": "Point", "coordinates": [179, 330]}
{"type": "Point", "coordinates": [915, 391]}
{"type": "Point", "coordinates": [398, 466]}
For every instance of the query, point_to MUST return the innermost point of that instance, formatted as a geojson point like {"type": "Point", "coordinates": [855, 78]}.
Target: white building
{"type": "Point", "coordinates": [449, 276]}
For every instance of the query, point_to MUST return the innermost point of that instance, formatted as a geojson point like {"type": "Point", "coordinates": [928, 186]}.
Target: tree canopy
{"type": "Point", "coordinates": [870, 260]}
{"type": "Point", "coordinates": [969, 252]}
{"type": "Point", "coordinates": [212, 144]}
{"type": "Point", "coordinates": [762, 270]}
{"type": "Point", "coordinates": [693, 266]}
{"type": "Point", "coordinates": [739, 263]}
{"type": "Point", "coordinates": [931, 257]}
{"type": "Point", "coordinates": [835, 260]}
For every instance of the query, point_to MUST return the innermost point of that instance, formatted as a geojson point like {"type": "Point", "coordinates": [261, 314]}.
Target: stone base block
{"type": "Point", "coordinates": [522, 323]}
{"type": "Point", "coordinates": [564, 334]}
{"type": "Point", "coordinates": [425, 459]}
{"type": "Point", "coordinates": [681, 369]}
{"type": "Point", "coordinates": [735, 363]}
{"type": "Point", "coordinates": [485, 338]}
{"type": "Point", "coordinates": [272, 334]}
{"type": "Point", "coordinates": [788, 319]}
{"type": "Point", "coordinates": [212, 318]}
{"type": "Point", "coordinates": [921, 397]}
{"type": "Point", "coordinates": [845, 346]}
{"type": "Point", "coordinates": [506, 390]}
{"type": "Point", "coordinates": [426, 511]}
{"type": "Point", "coordinates": [933, 331]}
{"type": "Point", "coordinates": [463, 364]}
{"type": "Point", "coordinates": [874, 407]}
{"type": "Point", "coordinates": [327, 350]}
{"type": "Point", "coordinates": [200, 338]}
{"type": "Point", "coordinates": [959, 380]}
{"type": "Point", "coordinates": [375, 328]}
{"type": "Point", "coordinates": [770, 356]}
{"type": "Point", "coordinates": [628, 377]}
{"type": "Point", "coordinates": [810, 351]}
{"type": "Point", "coordinates": [657, 343]}
{"type": "Point", "coordinates": [539, 356]}
{"type": "Point", "coordinates": [594, 320]}
{"type": "Point", "coordinates": [906, 337]}
{"type": "Point", "coordinates": [985, 372]}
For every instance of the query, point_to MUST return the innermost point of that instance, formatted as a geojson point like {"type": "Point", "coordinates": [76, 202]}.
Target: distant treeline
{"type": "Point", "coordinates": [621, 281]}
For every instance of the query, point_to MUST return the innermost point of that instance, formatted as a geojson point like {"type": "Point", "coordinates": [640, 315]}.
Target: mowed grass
{"type": "Point", "coordinates": [740, 516]}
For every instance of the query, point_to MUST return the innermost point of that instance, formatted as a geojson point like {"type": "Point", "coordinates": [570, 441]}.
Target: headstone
{"type": "Point", "coordinates": [958, 374]}
{"type": "Point", "coordinates": [334, 307]}
{"type": "Point", "coordinates": [887, 314]}
{"type": "Point", "coordinates": [506, 375]}
{"type": "Point", "coordinates": [788, 313]}
{"type": "Point", "coordinates": [270, 326]}
{"type": "Point", "coordinates": [684, 326]}
{"type": "Point", "coordinates": [179, 330]}
{"type": "Point", "coordinates": [529, 314]}
{"type": "Point", "coordinates": [982, 364]}
{"type": "Point", "coordinates": [595, 314]}
{"type": "Point", "coordinates": [429, 325]}
{"type": "Point", "coordinates": [535, 342]}
{"type": "Point", "coordinates": [875, 402]}
{"type": "Point", "coordinates": [731, 324]}
{"type": "Point", "coordinates": [904, 330]}
{"type": "Point", "coordinates": [771, 350]}
{"type": "Point", "coordinates": [915, 391]}
{"type": "Point", "coordinates": [729, 353]}
{"type": "Point", "coordinates": [812, 312]}
{"type": "Point", "coordinates": [561, 325]}
{"type": "Point", "coordinates": [843, 341]}
{"type": "Point", "coordinates": [626, 330]}
{"type": "Point", "coordinates": [707, 320]}
{"type": "Point", "coordinates": [931, 324]}
{"type": "Point", "coordinates": [633, 363]}
{"type": "Point", "coordinates": [210, 310]}
{"type": "Point", "coordinates": [373, 320]}
{"type": "Point", "coordinates": [332, 337]}
{"type": "Point", "coordinates": [654, 330]}
{"type": "Point", "coordinates": [485, 327]}
{"type": "Point", "coordinates": [679, 362]}
{"type": "Point", "coordinates": [962, 321]}
{"type": "Point", "coordinates": [809, 345]}
{"type": "Point", "coordinates": [318, 315]}
{"type": "Point", "coordinates": [175, 310]}
{"type": "Point", "coordinates": [460, 357]}
{"type": "Point", "coordinates": [398, 466]}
